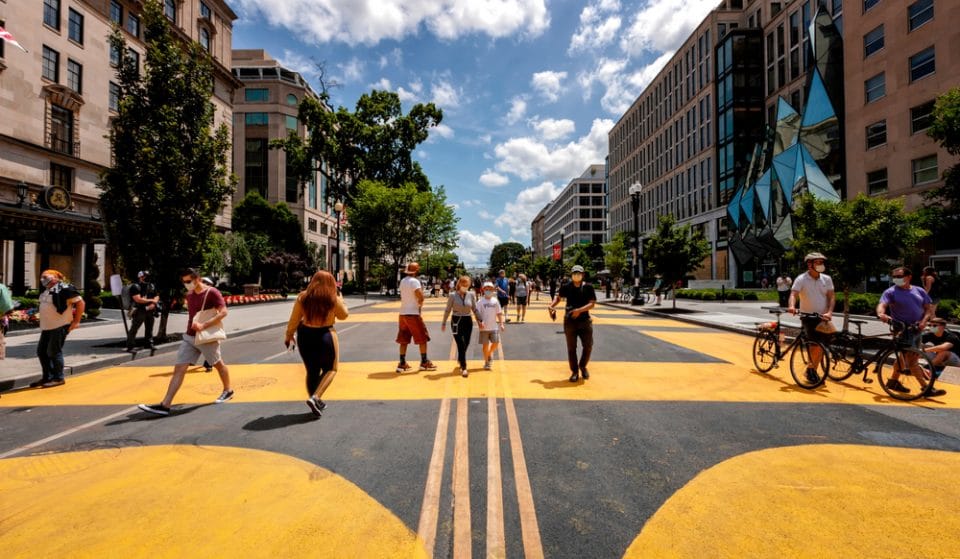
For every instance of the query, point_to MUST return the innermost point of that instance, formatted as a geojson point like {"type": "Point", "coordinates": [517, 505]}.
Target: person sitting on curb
{"type": "Point", "coordinates": [942, 351]}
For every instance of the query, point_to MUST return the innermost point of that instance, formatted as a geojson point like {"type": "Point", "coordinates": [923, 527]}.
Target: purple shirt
{"type": "Point", "coordinates": [906, 305]}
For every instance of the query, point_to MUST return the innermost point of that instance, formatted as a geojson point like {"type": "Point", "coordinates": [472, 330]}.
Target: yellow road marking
{"type": "Point", "coordinates": [430, 509]}
{"type": "Point", "coordinates": [190, 501]}
{"type": "Point", "coordinates": [496, 546]}
{"type": "Point", "coordinates": [462, 544]}
{"type": "Point", "coordinates": [812, 501]}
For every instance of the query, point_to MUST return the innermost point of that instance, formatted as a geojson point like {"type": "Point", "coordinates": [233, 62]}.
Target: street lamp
{"type": "Point", "coordinates": [634, 191]}
{"type": "Point", "coordinates": [21, 193]}
{"type": "Point", "coordinates": [338, 208]}
{"type": "Point", "coordinates": [560, 274]}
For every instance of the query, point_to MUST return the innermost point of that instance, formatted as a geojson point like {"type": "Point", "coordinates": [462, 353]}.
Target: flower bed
{"type": "Point", "coordinates": [25, 317]}
{"type": "Point", "coordinates": [252, 299]}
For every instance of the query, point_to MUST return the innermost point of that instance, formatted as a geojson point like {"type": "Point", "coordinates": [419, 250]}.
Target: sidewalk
{"type": "Point", "coordinates": [84, 352]}
{"type": "Point", "coordinates": [743, 316]}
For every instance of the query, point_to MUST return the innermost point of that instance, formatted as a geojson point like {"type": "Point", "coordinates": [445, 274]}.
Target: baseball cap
{"type": "Point", "coordinates": [814, 256]}
{"type": "Point", "coordinates": [489, 284]}
{"type": "Point", "coordinates": [576, 269]}
{"type": "Point", "coordinates": [938, 320]}
{"type": "Point", "coordinates": [207, 281]}
{"type": "Point", "coordinates": [141, 273]}
{"type": "Point", "coordinates": [412, 268]}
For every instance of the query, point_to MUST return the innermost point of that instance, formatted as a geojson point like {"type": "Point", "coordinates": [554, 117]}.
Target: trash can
{"type": "Point", "coordinates": [251, 289]}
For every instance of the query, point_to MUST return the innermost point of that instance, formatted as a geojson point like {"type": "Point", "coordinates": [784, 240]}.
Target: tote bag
{"type": "Point", "coordinates": [212, 334]}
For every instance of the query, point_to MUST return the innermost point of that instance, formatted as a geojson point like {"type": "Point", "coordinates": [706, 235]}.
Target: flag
{"type": "Point", "coordinates": [343, 216]}
{"type": "Point", "coordinates": [8, 37]}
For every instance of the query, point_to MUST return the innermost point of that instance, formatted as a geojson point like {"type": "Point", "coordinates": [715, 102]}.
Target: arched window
{"type": "Point", "coordinates": [292, 100]}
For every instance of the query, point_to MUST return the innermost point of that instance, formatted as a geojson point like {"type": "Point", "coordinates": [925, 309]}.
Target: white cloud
{"type": "Point", "coordinates": [598, 27]}
{"type": "Point", "coordinates": [548, 84]}
{"type": "Point", "coordinates": [411, 95]}
{"type": "Point", "coordinates": [352, 70]}
{"type": "Point", "coordinates": [371, 21]}
{"type": "Point", "coordinates": [493, 179]}
{"type": "Point", "coordinates": [445, 95]}
{"type": "Point", "coordinates": [518, 108]}
{"type": "Point", "coordinates": [295, 61]}
{"type": "Point", "coordinates": [529, 158]}
{"type": "Point", "coordinates": [621, 87]}
{"type": "Point", "coordinates": [443, 131]}
{"type": "Point", "coordinates": [518, 214]}
{"type": "Point", "coordinates": [554, 129]}
{"type": "Point", "coordinates": [394, 57]}
{"type": "Point", "coordinates": [474, 249]}
{"type": "Point", "coordinates": [663, 26]}
{"type": "Point", "coordinates": [484, 214]}
{"type": "Point", "coordinates": [384, 85]}
{"type": "Point", "coordinates": [470, 203]}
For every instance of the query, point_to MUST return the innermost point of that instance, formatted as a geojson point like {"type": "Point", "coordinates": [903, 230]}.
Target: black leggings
{"type": "Point", "coordinates": [319, 352]}
{"type": "Point", "coordinates": [462, 327]}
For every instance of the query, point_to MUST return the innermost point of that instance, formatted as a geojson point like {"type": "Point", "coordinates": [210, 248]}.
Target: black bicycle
{"type": "Point", "coordinates": [904, 371]}
{"type": "Point", "coordinates": [770, 347]}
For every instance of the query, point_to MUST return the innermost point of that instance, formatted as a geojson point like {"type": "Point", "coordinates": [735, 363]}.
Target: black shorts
{"type": "Point", "coordinates": [521, 299]}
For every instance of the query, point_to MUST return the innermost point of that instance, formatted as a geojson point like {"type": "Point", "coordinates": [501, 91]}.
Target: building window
{"type": "Point", "coordinates": [292, 191]}
{"type": "Point", "coordinates": [919, 13]}
{"type": "Point", "coordinates": [114, 56]}
{"type": "Point", "coordinates": [116, 12]}
{"type": "Point", "coordinates": [75, 26]}
{"type": "Point", "coordinates": [877, 181]}
{"type": "Point", "coordinates": [258, 95]}
{"type": "Point", "coordinates": [133, 25]}
{"type": "Point", "coordinates": [256, 119]}
{"type": "Point", "coordinates": [291, 122]}
{"type": "Point", "coordinates": [292, 100]}
{"type": "Point", "coordinates": [921, 117]}
{"type": "Point", "coordinates": [875, 88]}
{"type": "Point", "coordinates": [61, 129]}
{"type": "Point", "coordinates": [311, 224]}
{"type": "Point", "coordinates": [925, 170]}
{"type": "Point", "coordinates": [876, 134]}
{"type": "Point", "coordinates": [114, 100]}
{"type": "Point", "coordinates": [922, 64]}
{"type": "Point", "coordinates": [255, 166]}
{"type": "Point", "coordinates": [74, 76]}
{"type": "Point", "coordinates": [205, 39]}
{"type": "Point", "coordinates": [775, 8]}
{"type": "Point", "coordinates": [873, 41]}
{"type": "Point", "coordinates": [61, 176]}
{"type": "Point", "coordinates": [867, 4]}
{"type": "Point", "coordinates": [51, 13]}
{"type": "Point", "coordinates": [205, 10]}
{"type": "Point", "coordinates": [170, 9]}
{"type": "Point", "coordinates": [51, 64]}
{"type": "Point", "coordinates": [133, 58]}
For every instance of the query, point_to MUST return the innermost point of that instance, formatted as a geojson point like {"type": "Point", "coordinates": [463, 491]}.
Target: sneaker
{"type": "Point", "coordinates": [934, 392]}
{"type": "Point", "coordinates": [314, 407]}
{"type": "Point", "coordinates": [812, 377]}
{"type": "Point", "coordinates": [158, 409]}
{"type": "Point", "coordinates": [427, 366]}
{"type": "Point", "coordinates": [224, 396]}
{"type": "Point", "coordinates": [403, 367]}
{"type": "Point", "coordinates": [487, 365]}
{"type": "Point", "coordinates": [897, 386]}
{"type": "Point", "coordinates": [38, 383]}
{"type": "Point", "coordinates": [585, 374]}
{"type": "Point", "coordinates": [52, 383]}
{"type": "Point", "coordinates": [464, 372]}
{"type": "Point", "coordinates": [574, 377]}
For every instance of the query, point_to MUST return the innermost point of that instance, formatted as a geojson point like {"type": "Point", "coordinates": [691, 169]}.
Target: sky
{"type": "Point", "coordinates": [529, 88]}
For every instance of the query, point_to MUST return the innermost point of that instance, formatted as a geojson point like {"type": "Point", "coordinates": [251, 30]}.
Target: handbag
{"type": "Point", "coordinates": [826, 327]}
{"type": "Point", "coordinates": [211, 334]}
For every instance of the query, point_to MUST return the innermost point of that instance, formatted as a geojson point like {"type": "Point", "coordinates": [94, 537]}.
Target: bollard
{"type": "Point", "coordinates": [723, 293]}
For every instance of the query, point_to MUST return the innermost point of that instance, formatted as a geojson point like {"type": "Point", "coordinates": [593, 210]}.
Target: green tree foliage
{"type": "Point", "coordinates": [504, 256]}
{"type": "Point", "coordinates": [859, 237]}
{"type": "Point", "coordinates": [274, 238]}
{"type": "Point", "coordinates": [439, 264]}
{"type": "Point", "coordinates": [579, 254]}
{"type": "Point", "coordinates": [943, 203]}
{"type": "Point", "coordinates": [674, 251]}
{"type": "Point", "coordinates": [615, 254]}
{"type": "Point", "coordinates": [170, 175]}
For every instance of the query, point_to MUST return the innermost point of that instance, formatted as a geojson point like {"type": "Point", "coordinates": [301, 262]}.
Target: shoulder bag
{"type": "Point", "coordinates": [212, 334]}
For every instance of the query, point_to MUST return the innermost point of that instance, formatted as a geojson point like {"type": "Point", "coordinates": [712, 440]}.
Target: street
{"type": "Point", "coordinates": [675, 447]}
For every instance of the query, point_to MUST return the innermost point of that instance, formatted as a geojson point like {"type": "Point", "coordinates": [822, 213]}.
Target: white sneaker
{"type": "Point", "coordinates": [487, 365]}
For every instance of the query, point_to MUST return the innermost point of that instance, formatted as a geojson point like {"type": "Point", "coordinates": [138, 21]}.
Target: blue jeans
{"type": "Point", "coordinates": [50, 352]}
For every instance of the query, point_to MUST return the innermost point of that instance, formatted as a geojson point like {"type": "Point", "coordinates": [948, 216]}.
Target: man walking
{"type": "Point", "coordinates": [145, 300]}
{"type": "Point", "coordinates": [503, 292]}
{"type": "Point", "coordinates": [580, 298]}
{"type": "Point", "coordinates": [61, 308]}
{"type": "Point", "coordinates": [200, 297]}
{"type": "Point", "coordinates": [783, 288]}
{"type": "Point", "coordinates": [817, 295]}
{"type": "Point", "coordinates": [411, 322]}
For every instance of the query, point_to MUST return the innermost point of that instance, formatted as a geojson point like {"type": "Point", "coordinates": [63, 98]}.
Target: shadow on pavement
{"type": "Point", "coordinates": [280, 421]}
{"type": "Point", "coordinates": [140, 415]}
{"type": "Point", "coordinates": [551, 384]}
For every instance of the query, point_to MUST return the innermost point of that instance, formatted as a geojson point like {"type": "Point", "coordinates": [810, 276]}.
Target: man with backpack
{"type": "Point", "coordinates": [144, 300]}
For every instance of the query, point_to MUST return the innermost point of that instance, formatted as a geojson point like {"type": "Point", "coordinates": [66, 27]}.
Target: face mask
{"type": "Point", "coordinates": [488, 294]}
{"type": "Point", "coordinates": [462, 290]}
{"type": "Point", "coordinates": [898, 282]}
{"type": "Point", "coordinates": [819, 268]}
{"type": "Point", "coordinates": [45, 281]}
{"type": "Point", "coordinates": [576, 277]}
{"type": "Point", "coordinates": [190, 286]}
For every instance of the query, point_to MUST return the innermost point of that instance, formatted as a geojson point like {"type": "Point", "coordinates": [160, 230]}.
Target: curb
{"type": "Point", "coordinates": [683, 318]}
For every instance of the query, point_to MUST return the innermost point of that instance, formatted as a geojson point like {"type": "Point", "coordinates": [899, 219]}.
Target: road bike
{"type": "Point", "coordinates": [770, 347]}
{"type": "Point", "coordinates": [904, 371]}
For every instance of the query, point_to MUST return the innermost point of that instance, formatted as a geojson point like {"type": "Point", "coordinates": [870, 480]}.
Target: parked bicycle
{"type": "Point", "coordinates": [904, 371]}
{"type": "Point", "coordinates": [770, 347]}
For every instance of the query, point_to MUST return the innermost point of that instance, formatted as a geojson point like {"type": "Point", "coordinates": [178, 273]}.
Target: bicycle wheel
{"type": "Point", "coordinates": [905, 374]}
{"type": "Point", "coordinates": [765, 351]}
{"type": "Point", "coordinates": [801, 364]}
{"type": "Point", "coordinates": [843, 357]}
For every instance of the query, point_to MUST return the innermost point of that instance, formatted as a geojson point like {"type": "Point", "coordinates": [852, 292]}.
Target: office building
{"type": "Point", "coordinates": [576, 215]}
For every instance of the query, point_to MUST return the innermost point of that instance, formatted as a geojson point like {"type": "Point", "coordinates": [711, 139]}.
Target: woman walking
{"type": "Point", "coordinates": [462, 303]}
{"type": "Point", "coordinates": [931, 284]}
{"type": "Point", "coordinates": [315, 311]}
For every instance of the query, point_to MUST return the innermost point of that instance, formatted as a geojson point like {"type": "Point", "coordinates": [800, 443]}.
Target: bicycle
{"type": "Point", "coordinates": [768, 351]}
{"type": "Point", "coordinates": [889, 361]}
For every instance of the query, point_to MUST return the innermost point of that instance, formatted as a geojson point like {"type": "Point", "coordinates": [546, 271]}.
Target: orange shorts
{"type": "Point", "coordinates": [412, 326]}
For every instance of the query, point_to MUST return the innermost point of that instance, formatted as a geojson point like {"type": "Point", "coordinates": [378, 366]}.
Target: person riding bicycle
{"type": "Point", "coordinates": [910, 305]}
{"type": "Point", "coordinates": [817, 295]}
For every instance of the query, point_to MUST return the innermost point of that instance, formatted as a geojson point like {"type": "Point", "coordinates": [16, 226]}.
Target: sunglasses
{"type": "Point", "coordinates": [899, 276]}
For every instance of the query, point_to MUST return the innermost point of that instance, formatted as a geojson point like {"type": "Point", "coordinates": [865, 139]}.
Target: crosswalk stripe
{"type": "Point", "coordinates": [496, 546]}
{"type": "Point", "coordinates": [462, 541]}
{"type": "Point", "coordinates": [430, 510]}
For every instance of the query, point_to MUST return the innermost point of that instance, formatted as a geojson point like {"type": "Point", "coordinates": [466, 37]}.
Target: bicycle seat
{"type": "Point", "coordinates": [857, 322]}
{"type": "Point", "coordinates": [774, 310]}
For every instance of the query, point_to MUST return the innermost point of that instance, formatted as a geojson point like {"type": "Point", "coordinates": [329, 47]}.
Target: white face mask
{"type": "Point", "coordinates": [488, 294]}
{"type": "Point", "coordinates": [898, 282]}
{"type": "Point", "coordinates": [190, 286]}
{"type": "Point", "coordinates": [46, 281]}
{"type": "Point", "coordinates": [819, 268]}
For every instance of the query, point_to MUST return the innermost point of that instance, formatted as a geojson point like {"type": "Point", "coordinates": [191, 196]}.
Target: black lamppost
{"type": "Point", "coordinates": [21, 193]}
{"type": "Point", "coordinates": [560, 273]}
{"type": "Point", "coordinates": [338, 208]}
{"type": "Point", "coordinates": [634, 191]}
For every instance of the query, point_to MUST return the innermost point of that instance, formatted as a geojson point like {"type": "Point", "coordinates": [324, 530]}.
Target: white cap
{"type": "Point", "coordinates": [488, 284]}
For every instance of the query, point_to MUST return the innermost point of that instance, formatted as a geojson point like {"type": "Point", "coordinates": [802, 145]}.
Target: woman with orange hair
{"type": "Point", "coordinates": [61, 308]}
{"type": "Point", "coordinates": [314, 313]}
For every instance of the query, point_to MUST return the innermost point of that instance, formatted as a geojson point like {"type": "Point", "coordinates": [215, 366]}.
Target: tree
{"type": "Point", "coordinates": [170, 175]}
{"type": "Point", "coordinates": [579, 254]}
{"type": "Point", "coordinates": [943, 203]}
{"type": "Point", "coordinates": [615, 254]}
{"type": "Point", "coordinates": [504, 255]}
{"type": "Point", "coordinates": [859, 237]}
{"type": "Point", "coordinates": [439, 264]}
{"type": "Point", "coordinates": [675, 251]}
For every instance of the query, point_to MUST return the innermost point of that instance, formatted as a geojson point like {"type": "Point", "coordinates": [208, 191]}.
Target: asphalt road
{"type": "Point", "coordinates": [674, 448]}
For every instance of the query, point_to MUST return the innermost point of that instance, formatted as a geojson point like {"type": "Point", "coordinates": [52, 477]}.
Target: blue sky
{"type": "Point", "coordinates": [529, 88]}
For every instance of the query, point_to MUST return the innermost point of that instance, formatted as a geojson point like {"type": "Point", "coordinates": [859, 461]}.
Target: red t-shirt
{"type": "Point", "coordinates": [194, 300]}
